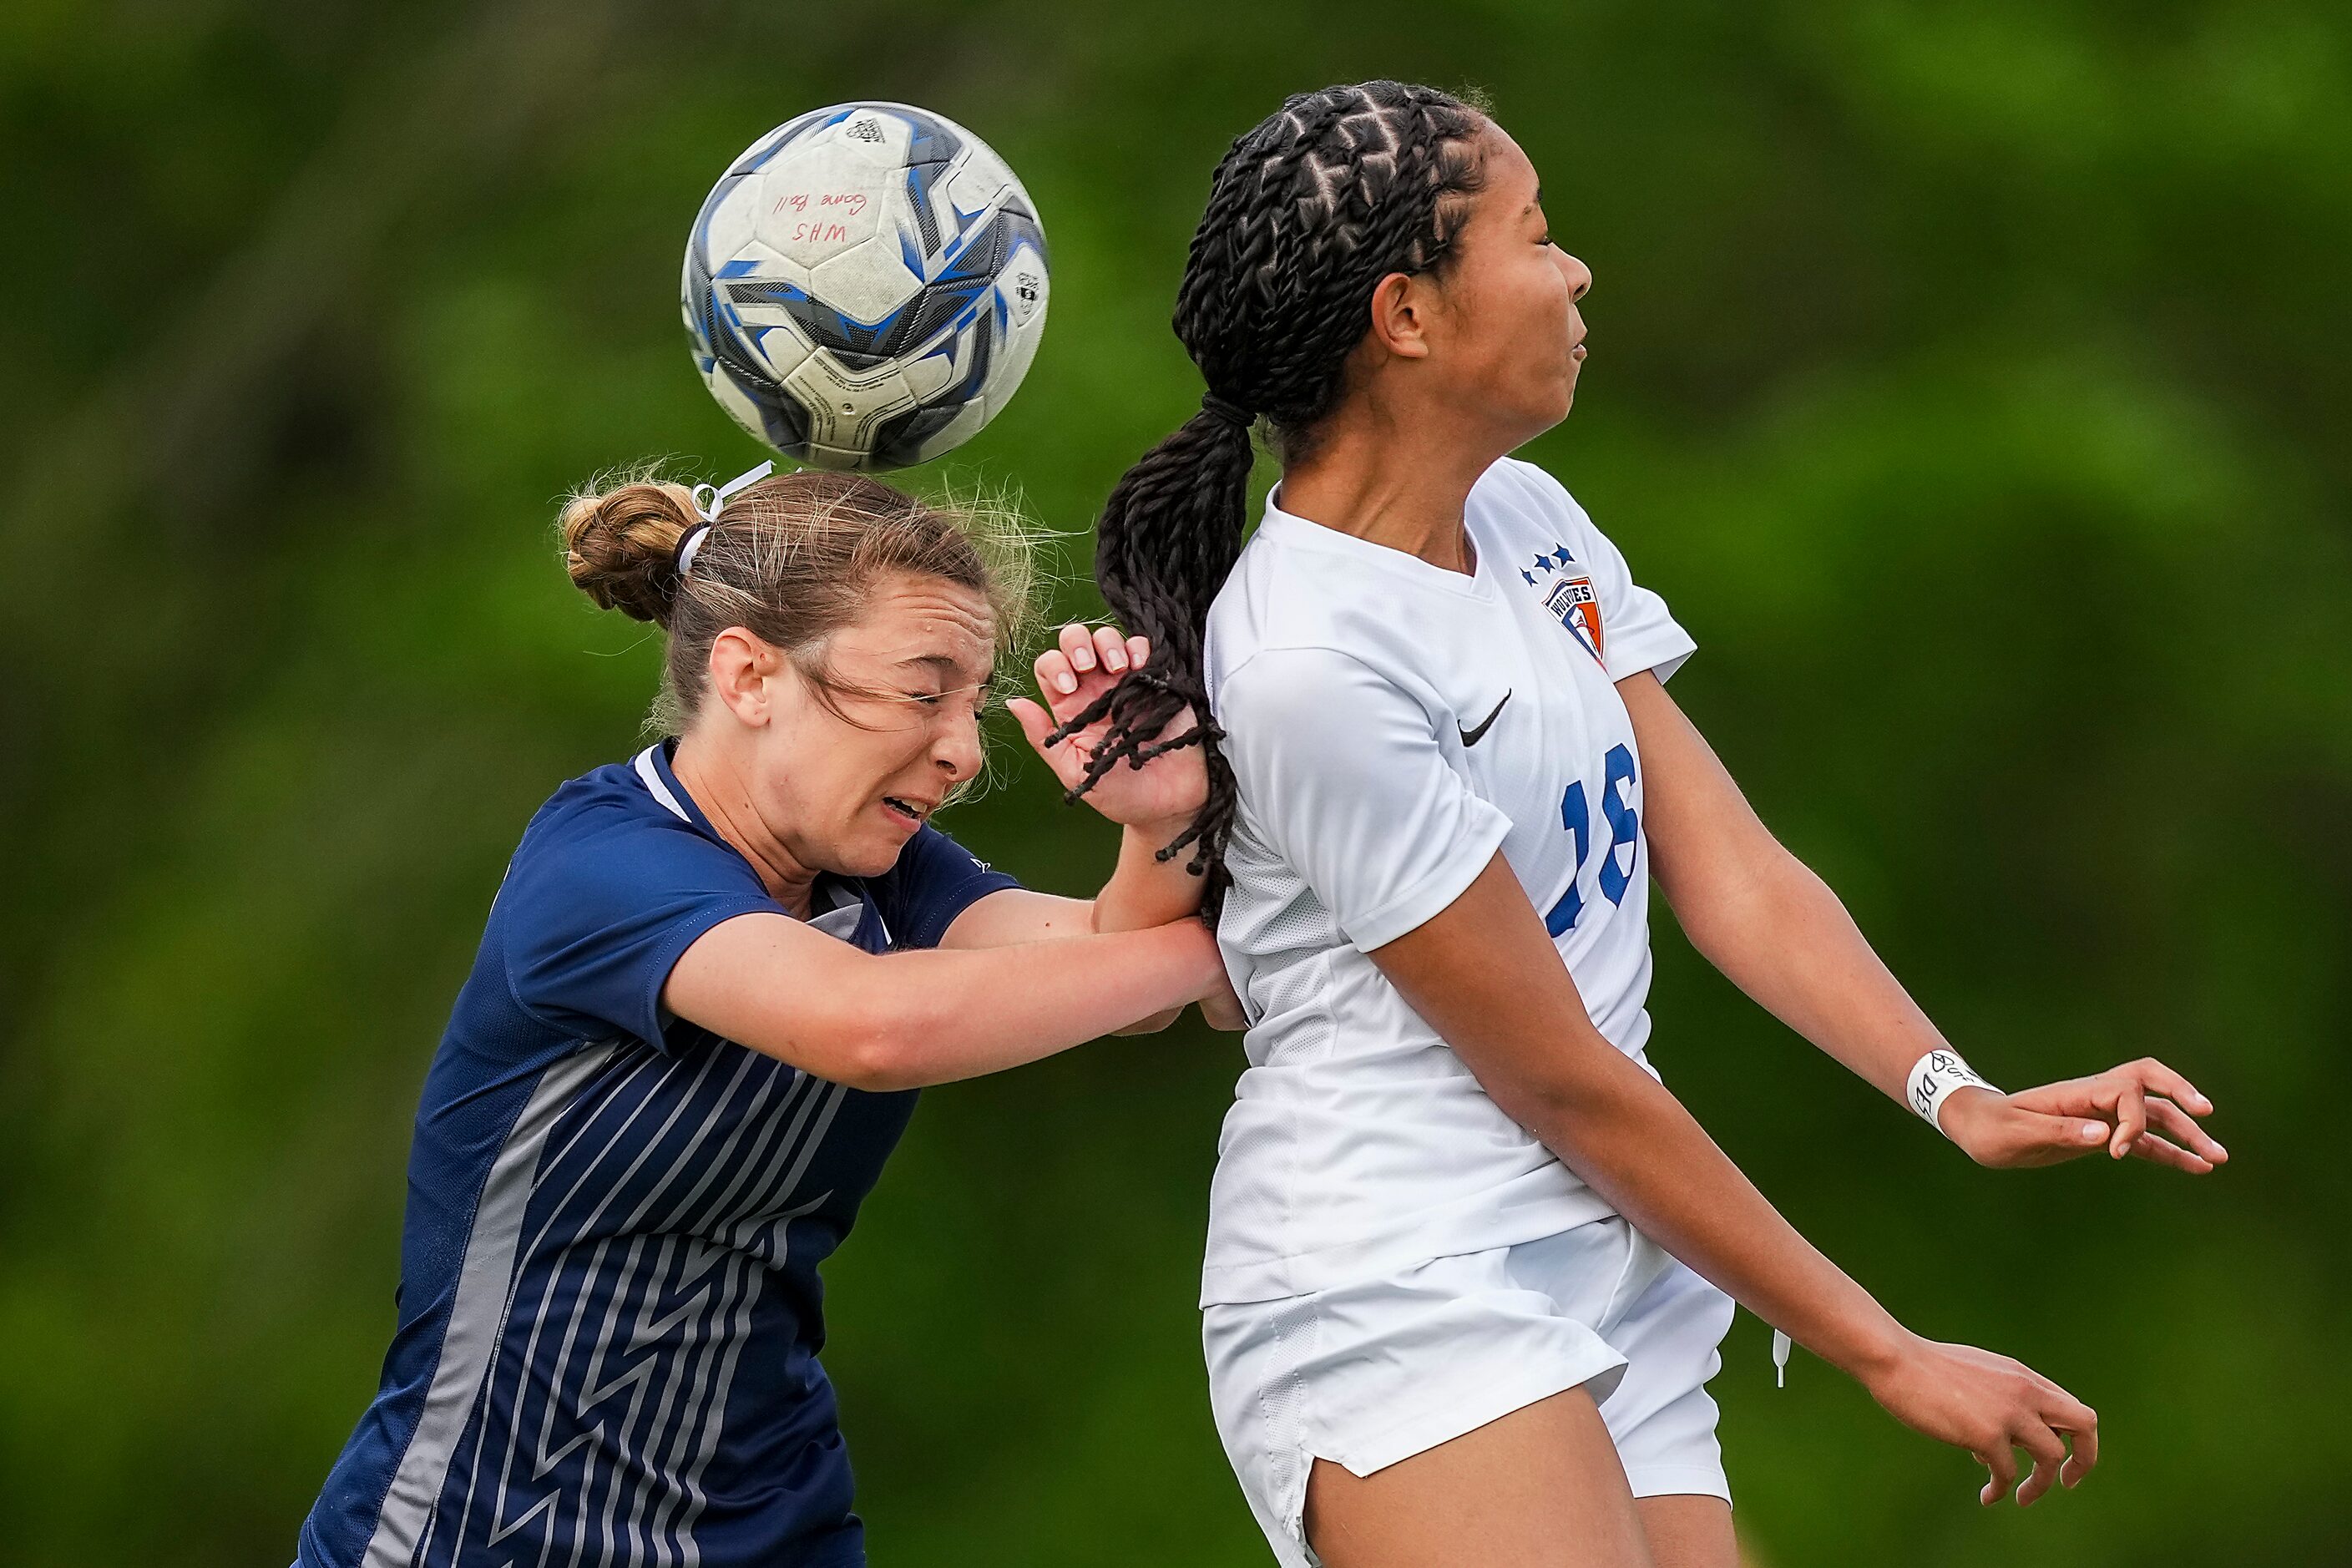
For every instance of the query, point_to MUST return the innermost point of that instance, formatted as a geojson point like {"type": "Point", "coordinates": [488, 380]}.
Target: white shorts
{"type": "Point", "coordinates": [1365, 1375]}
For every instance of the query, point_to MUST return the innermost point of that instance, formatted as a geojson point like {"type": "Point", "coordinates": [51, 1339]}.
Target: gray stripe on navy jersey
{"type": "Point", "coordinates": [544, 1459]}
{"type": "Point", "coordinates": [703, 1367]}
{"type": "Point", "coordinates": [713, 1346]}
{"type": "Point", "coordinates": [712, 1396]}
{"type": "Point", "coordinates": [477, 1315]}
{"type": "Point", "coordinates": [706, 1398]}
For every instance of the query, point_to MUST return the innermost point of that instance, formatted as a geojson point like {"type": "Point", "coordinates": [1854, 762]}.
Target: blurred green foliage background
{"type": "Point", "coordinates": [1971, 379]}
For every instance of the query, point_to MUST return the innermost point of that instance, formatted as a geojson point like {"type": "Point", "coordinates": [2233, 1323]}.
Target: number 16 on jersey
{"type": "Point", "coordinates": [1624, 829]}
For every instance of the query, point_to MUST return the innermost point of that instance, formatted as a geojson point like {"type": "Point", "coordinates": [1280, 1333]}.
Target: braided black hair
{"type": "Point", "coordinates": [1307, 213]}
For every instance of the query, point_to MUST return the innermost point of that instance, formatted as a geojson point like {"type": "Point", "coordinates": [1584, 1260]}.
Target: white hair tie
{"type": "Point", "coordinates": [707, 501]}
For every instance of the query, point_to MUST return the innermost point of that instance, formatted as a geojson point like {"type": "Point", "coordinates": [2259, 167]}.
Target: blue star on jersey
{"type": "Point", "coordinates": [1559, 557]}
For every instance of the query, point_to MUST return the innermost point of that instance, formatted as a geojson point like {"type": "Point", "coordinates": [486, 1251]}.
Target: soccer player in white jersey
{"type": "Point", "coordinates": [1469, 1261]}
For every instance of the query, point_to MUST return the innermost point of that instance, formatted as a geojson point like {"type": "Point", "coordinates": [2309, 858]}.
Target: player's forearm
{"type": "Point", "coordinates": [1759, 914]}
{"type": "Point", "coordinates": [1030, 1002]}
{"type": "Point", "coordinates": [1634, 1144]}
{"type": "Point", "coordinates": [1145, 890]}
{"type": "Point", "coordinates": [1783, 937]}
{"type": "Point", "coordinates": [1485, 976]}
{"type": "Point", "coordinates": [907, 1019]}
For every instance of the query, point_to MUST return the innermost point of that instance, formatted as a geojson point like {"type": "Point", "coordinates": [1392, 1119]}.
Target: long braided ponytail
{"type": "Point", "coordinates": [1307, 213]}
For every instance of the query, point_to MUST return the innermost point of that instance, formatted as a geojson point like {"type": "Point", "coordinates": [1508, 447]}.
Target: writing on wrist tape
{"type": "Point", "coordinates": [1931, 1081]}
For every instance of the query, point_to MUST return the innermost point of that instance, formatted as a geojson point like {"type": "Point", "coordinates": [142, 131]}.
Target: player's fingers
{"type": "Point", "coordinates": [2164, 1151]}
{"type": "Point", "coordinates": [2131, 1120]}
{"type": "Point", "coordinates": [1055, 675]}
{"type": "Point", "coordinates": [2156, 1076]}
{"type": "Point", "coordinates": [1139, 652]}
{"type": "Point", "coordinates": [2064, 1413]}
{"type": "Point", "coordinates": [2002, 1463]}
{"type": "Point", "coordinates": [2049, 1451]}
{"type": "Point", "coordinates": [2081, 1423]}
{"type": "Point", "coordinates": [1111, 650]}
{"type": "Point", "coordinates": [1079, 643]}
{"type": "Point", "coordinates": [2165, 1116]}
{"type": "Point", "coordinates": [1037, 723]}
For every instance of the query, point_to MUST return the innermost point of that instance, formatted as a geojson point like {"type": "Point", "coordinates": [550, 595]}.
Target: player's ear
{"type": "Point", "coordinates": [1401, 306]}
{"type": "Point", "coordinates": [740, 668]}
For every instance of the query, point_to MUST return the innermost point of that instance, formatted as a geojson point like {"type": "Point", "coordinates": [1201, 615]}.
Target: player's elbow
{"type": "Point", "coordinates": [880, 1064]}
{"type": "Point", "coordinates": [1748, 899]}
{"type": "Point", "coordinates": [1576, 1095]}
{"type": "Point", "coordinates": [893, 1042]}
{"type": "Point", "coordinates": [870, 1040]}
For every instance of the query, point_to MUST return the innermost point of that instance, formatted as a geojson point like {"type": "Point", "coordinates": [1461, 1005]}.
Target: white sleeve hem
{"type": "Point", "coordinates": [1661, 652]}
{"type": "Point", "coordinates": [1434, 894]}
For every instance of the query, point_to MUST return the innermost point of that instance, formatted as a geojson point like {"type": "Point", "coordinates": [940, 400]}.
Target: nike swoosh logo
{"type": "Point", "coordinates": [1471, 737]}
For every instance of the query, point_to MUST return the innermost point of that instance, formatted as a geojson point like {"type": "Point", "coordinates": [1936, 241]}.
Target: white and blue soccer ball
{"type": "Point", "coordinates": [865, 287]}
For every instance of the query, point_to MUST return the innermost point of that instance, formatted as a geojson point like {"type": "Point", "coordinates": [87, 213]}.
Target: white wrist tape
{"type": "Point", "coordinates": [1931, 1081]}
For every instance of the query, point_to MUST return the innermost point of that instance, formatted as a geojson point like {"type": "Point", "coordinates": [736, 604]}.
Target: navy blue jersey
{"type": "Point", "coordinates": [609, 1304]}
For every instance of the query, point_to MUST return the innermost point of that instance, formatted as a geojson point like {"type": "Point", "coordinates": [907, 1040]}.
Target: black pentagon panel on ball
{"type": "Point", "coordinates": [963, 280]}
{"type": "Point", "coordinates": [782, 419]}
{"type": "Point", "coordinates": [932, 145]}
{"type": "Point", "coordinates": [931, 310]}
{"type": "Point", "coordinates": [992, 247]}
{"type": "Point", "coordinates": [920, 179]}
{"type": "Point", "coordinates": [899, 440]}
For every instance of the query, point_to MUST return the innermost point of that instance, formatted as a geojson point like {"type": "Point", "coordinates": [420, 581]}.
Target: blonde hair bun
{"type": "Point", "coordinates": [620, 544]}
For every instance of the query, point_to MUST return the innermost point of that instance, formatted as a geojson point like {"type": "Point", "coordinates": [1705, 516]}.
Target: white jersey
{"type": "Point", "coordinates": [1390, 725]}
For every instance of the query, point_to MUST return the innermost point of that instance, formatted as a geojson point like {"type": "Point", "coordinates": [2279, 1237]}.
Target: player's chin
{"type": "Point", "coordinates": [1550, 393]}
{"type": "Point", "coordinates": [880, 836]}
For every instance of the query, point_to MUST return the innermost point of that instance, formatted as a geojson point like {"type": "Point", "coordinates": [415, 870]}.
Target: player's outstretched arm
{"type": "Point", "coordinates": [1486, 975]}
{"type": "Point", "coordinates": [903, 1020]}
{"type": "Point", "coordinates": [1152, 805]}
{"type": "Point", "coordinates": [1780, 934]}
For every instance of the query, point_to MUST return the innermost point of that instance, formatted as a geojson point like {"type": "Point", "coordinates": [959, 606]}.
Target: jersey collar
{"type": "Point", "coordinates": [653, 770]}
{"type": "Point", "coordinates": [1289, 528]}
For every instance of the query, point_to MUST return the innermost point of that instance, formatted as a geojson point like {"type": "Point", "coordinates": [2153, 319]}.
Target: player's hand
{"type": "Point", "coordinates": [1221, 1009]}
{"type": "Point", "coordinates": [2142, 1109]}
{"type": "Point", "coordinates": [1991, 1406]}
{"type": "Point", "coordinates": [1086, 663]}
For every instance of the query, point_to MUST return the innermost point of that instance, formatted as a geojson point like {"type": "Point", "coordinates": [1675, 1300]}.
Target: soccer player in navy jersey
{"type": "Point", "coordinates": [710, 986]}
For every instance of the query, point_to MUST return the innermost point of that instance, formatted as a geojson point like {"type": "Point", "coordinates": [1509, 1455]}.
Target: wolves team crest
{"type": "Point", "coordinates": [1579, 609]}
{"type": "Point", "coordinates": [1570, 597]}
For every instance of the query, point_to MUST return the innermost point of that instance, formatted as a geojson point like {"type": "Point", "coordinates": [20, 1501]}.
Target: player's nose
{"type": "Point", "coordinates": [1579, 276]}
{"type": "Point", "coordinates": [957, 750]}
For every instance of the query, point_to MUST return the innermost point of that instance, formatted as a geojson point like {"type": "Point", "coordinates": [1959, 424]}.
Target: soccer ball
{"type": "Point", "coordinates": [865, 287]}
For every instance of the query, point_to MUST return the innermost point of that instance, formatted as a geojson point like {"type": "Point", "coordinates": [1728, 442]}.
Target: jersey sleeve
{"type": "Point", "coordinates": [935, 880]}
{"type": "Point", "coordinates": [1638, 631]}
{"type": "Point", "coordinates": [593, 920]}
{"type": "Point", "coordinates": [1343, 772]}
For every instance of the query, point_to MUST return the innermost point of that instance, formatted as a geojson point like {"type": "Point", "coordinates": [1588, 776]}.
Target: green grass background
{"type": "Point", "coordinates": [1970, 378]}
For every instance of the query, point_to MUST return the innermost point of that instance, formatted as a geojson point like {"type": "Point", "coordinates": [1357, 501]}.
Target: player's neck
{"type": "Point", "coordinates": [1375, 471]}
{"type": "Point", "coordinates": [723, 792]}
